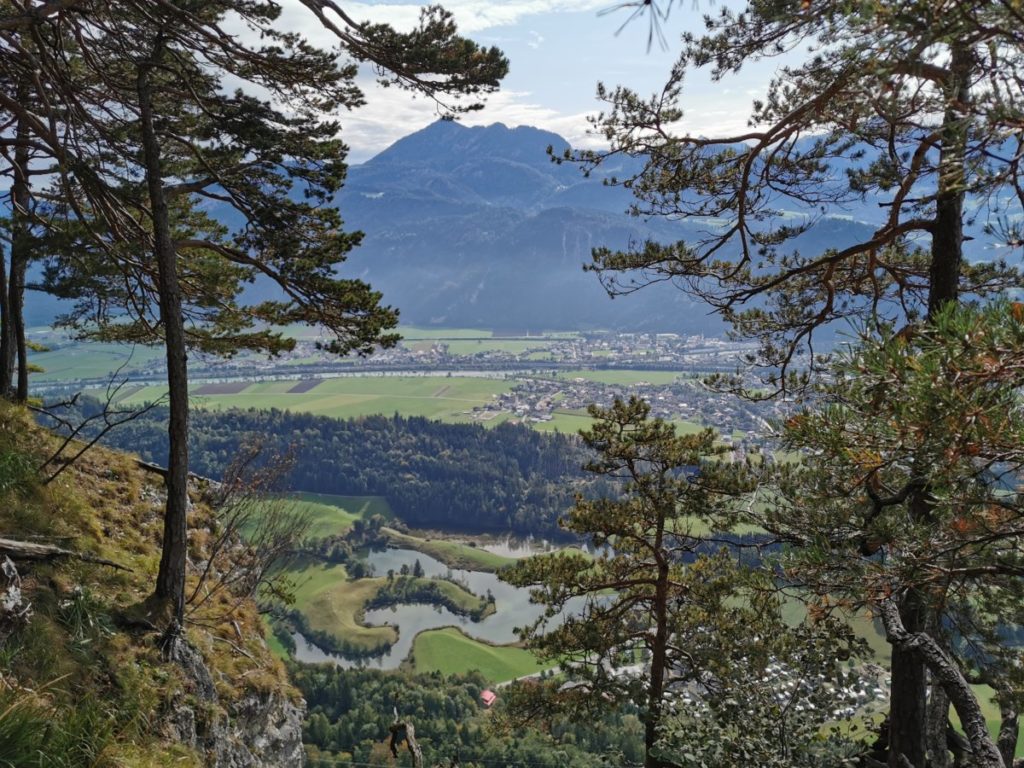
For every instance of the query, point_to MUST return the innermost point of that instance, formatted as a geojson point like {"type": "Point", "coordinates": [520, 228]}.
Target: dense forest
{"type": "Point", "coordinates": [454, 476]}
{"type": "Point", "coordinates": [351, 712]}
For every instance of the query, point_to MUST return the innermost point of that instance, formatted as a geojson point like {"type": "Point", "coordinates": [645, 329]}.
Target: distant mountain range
{"type": "Point", "coordinates": [477, 227]}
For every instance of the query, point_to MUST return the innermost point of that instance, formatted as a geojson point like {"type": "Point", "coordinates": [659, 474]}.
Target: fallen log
{"type": "Point", "coordinates": [156, 469]}
{"type": "Point", "coordinates": [34, 551]}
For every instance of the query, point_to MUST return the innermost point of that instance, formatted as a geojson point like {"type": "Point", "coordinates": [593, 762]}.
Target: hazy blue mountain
{"type": "Point", "coordinates": [478, 227]}
{"type": "Point", "coordinates": [40, 308]}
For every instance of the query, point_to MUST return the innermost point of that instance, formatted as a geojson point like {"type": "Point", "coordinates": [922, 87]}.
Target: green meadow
{"type": "Point", "coordinates": [449, 651]}
{"type": "Point", "coordinates": [571, 422]}
{"type": "Point", "coordinates": [435, 397]}
{"type": "Point", "coordinates": [510, 346]}
{"type": "Point", "coordinates": [273, 644]}
{"type": "Point", "coordinates": [333, 515]}
{"type": "Point", "coordinates": [90, 361]}
{"type": "Point", "coordinates": [454, 554]}
{"type": "Point", "coordinates": [413, 333]}
{"type": "Point", "coordinates": [333, 604]}
{"type": "Point", "coordinates": [566, 422]}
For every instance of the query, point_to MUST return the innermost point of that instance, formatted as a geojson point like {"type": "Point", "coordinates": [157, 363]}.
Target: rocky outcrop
{"type": "Point", "coordinates": [259, 730]}
{"type": "Point", "coordinates": [263, 730]}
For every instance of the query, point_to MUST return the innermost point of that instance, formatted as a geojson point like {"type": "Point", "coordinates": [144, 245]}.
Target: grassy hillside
{"type": "Point", "coordinates": [331, 515]}
{"type": "Point", "coordinates": [84, 683]}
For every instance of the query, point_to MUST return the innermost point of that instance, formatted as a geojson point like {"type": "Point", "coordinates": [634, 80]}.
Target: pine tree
{"type": "Point", "coordinates": [663, 610]}
{"type": "Point", "coordinates": [147, 131]}
{"type": "Point", "coordinates": [918, 105]}
{"type": "Point", "coordinates": [938, 408]}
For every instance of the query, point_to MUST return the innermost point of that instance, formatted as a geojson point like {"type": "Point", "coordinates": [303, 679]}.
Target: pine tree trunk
{"type": "Point", "coordinates": [947, 674]}
{"type": "Point", "coordinates": [908, 705]}
{"type": "Point", "coordinates": [6, 333]}
{"type": "Point", "coordinates": [938, 723]}
{"type": "Point", "coordinates": [659, 657]}
{"type": "Point", "coordinates": [1009, 727]}
{"type": "Point", "coordinates": [908, 709]}
{"type": "Point", "coordinates": [21, 252]}
{"type": "Point", "coordinates": [948, 228]}
{"type": "Point", "coordinates": [170, 581]}
{"type": "Point", "coordinates": [1007, 739]}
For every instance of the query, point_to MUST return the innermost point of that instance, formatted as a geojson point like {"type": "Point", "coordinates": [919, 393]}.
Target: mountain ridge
{"type": "Point", "coordinates": [479, 227]}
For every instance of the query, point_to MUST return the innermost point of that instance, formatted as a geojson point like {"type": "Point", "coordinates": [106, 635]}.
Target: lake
{"type": "Point", "coordinates": [512, 604]}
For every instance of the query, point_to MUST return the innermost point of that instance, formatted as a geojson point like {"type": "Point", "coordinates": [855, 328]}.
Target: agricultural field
{"type": "Point", "coordinates": [412, 333]}
{"type": "Point", "coordinates": [93, 360]}
{"type": "Point", "coordinates": [449, 651]}
{"type": "Point", "coordinates": [566, 422]}
{"type": "Point", "coordinates": [74, 359]}
{"type": "Point", "coordinates": [571, 422]}
{"type": "Point", "coordinates": [435, 397]}
{"type": "Point", "coordinates": [509, 346]}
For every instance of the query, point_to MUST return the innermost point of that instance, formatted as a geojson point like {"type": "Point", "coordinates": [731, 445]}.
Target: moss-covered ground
{"type": "Point", "coordinates": [84, 681]}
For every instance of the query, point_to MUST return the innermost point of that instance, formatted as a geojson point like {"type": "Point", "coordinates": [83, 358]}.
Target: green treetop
{"type": "Point", "coordinates": [667, 611]}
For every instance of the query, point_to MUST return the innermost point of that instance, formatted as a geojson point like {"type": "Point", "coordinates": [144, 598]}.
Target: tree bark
{"type": "Point", "coordinates": [1009, 728]}
{"type": "Point", "coordinates": [170, 581]}
{"type": "Point", "coordinates": [6, 334]}
{"type": "Point", "coordinates": [21, 252]}
{"type": "Point", "coordinates": [938, 723]}
{"type": "Point", "coordinates": [908, 696]}
{"type": "Point", "coordinates": [947, 674]}
{"type": "Point", "coordinates": [948, 228]}
{"type": "Point", "coordinates": [908, 708]}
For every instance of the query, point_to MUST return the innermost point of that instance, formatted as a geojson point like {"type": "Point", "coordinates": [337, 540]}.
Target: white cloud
{"type": "Point", "coordinates": [471, 15]}
{"type": "Point", "coordinates": [391, 114]}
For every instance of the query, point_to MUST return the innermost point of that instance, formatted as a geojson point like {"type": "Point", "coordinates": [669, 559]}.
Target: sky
{"type": "Point", "coordinates": [558, 51]}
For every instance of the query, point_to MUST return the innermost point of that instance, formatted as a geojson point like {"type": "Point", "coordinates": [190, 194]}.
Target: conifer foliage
{"type": "Point", "coordinates": [191, 148]}
{"type": "Point", "coordinates": [908, 108]}
{"type": "Point", "coordinates": [671, 617]}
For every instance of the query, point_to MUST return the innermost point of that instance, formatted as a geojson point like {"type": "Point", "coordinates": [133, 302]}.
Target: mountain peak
{"type": "Point", "coordinates": [447, 143]}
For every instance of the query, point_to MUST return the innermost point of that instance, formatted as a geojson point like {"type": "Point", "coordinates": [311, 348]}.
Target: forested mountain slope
{"type": "Point", "coordinates": [478, 227]}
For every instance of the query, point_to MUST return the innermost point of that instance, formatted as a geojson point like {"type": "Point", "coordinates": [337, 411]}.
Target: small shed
{"type": "Point", "coordinates": [488, 698]}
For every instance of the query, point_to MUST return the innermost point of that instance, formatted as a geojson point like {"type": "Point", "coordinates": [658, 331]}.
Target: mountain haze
{"type": "Point", "coordinates": [476, 226]}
